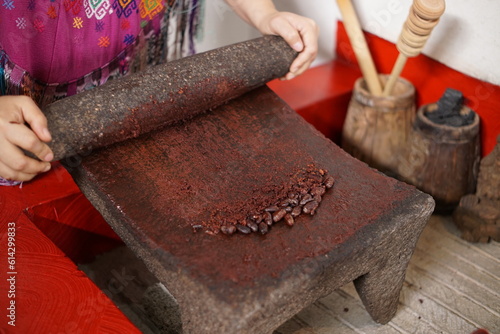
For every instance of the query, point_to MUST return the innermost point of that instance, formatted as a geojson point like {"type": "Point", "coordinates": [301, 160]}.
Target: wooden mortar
{"type": "Point", "coordinates": [442, 160]}
{"type": "Point", "coordinates": [376, 127]}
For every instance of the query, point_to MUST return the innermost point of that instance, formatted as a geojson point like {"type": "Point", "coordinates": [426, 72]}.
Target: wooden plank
{"type": "Point", "coordinates": [434, 312]}
{"type": "Point", "coordinates": [444, 225]}
{"type": "Point", "coordinates": [442, 292]}
{"type": "Point", "coordinates": [447, 265]}
{"type": "Point", "coordinates": [435, 236]}
{"type": "Point", "coordinates": [294, 326]}
{"type": "Point", "coordinates": [351, 312]}
{"type": "Point", "coordinates": [406, 319]}
{"type": "Point", "coordinates": [317, 320]}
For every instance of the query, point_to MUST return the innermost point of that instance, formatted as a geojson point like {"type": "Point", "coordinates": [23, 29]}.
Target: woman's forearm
{"type": "Point", "coordinates": [301, 33]}
{"type": "Point", "coordinates": [253, 11]}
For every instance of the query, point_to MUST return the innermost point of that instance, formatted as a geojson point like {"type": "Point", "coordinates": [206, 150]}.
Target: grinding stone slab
{"type": "Point", "coordinates": [152, 188]}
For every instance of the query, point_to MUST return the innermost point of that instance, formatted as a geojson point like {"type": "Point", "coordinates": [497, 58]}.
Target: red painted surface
{"type": "Point", "coordinates": [321, 95]}
{"type": "Point", "coordinates": [329, 85]}
{"type": "Point", "coordinates": [51, 294]}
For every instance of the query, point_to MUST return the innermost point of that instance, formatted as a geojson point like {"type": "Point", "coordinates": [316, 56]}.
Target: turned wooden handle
{"type": "Point", "coordinates": [423, 17]}
{"type": "Point", "coordinates": [360, 47]}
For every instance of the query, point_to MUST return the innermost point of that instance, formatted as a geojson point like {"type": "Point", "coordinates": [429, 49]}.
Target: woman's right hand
{"type": "Point", "coordinates": [15, 113]}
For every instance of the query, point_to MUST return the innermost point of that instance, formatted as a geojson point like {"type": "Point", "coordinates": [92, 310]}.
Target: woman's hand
{"type": "Point", "coordinates": [301, 33]}
{"type": "Point", "coordinates": [15, 112]}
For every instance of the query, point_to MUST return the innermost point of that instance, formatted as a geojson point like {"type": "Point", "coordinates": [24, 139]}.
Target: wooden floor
{"type": "Point", "coordinates": [452, 286]}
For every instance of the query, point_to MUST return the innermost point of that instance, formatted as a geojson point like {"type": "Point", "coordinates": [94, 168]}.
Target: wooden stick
{"type": "Point", "coordinates": [360, 47]}
{"type": "Point", "coordinates": [396, 71]}
{"type": "Point", "coordinates": [423, 17]}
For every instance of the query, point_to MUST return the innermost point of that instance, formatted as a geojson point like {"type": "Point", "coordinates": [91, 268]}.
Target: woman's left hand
{"type": "Point", "coordinates": [300, 32]}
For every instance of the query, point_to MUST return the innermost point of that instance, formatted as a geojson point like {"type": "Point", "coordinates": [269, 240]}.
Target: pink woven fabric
{"type": "Point", "coordinates": [50, 49]}
{"type": "Point", "coordinates": [62, 40]}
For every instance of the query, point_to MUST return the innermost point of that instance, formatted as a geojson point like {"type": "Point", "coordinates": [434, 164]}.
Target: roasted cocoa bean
{"type": "Point", "coordinates": [293, 201]}
{"type": "Point", "coordinates": [305, 199]}
{"type": "Point", "coordinates": [255, 217]}
{"type": "Point", "coordinates": [197, 228]}
{"type": "Point", "coordinates": [263, 228]}
{"type": "Point", "coordinates": [310, 207]}
{"type": "Point", "coordinates": [268, 218]}
{"type": "Point", "coordinates": [296, 211]}
{"type": "Point", "coordinates": [293, 195]}
{"type": "Point", "coordinates": [329, 181]}
{"type": "Point", "coordinates": [278, 215]}
{"type": "Point", "coordinates": [253, 226]}
{"type": "Point", "coordinates": [303, 191]}
{"type": "Point", "coordinates": [288, 209]}
{"type": "Point", "coordinates": [284, 203]}
{"type": "Point", "coordinates": [243, 229]}
{"type": "Point", "coordinates": [272, 208]}
{"type": "Point", "coordinates": [317, 198]}
{"type": "Point", "coordinates": [318, 191]}
{"type": "Point", "coordinates": [289, 220]}
{"type": "Point", "coordinates": [228, 229]}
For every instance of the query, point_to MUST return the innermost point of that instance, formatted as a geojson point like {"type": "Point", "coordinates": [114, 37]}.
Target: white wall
{"type": "Point", "coordinates": [222, 26]}
{"type": "Point", "coordinates": [466, 39]}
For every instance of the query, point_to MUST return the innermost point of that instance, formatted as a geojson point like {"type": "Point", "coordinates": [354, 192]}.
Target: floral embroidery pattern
{"type": "Point", "coordinates": [128, 39]}
{"type": "Point", "coordinates": [8, 4]}
{"type": "Point", "coordinates": [125, 24]}
{"type": "Point", "coordinates": [21, 23]}
{"type": "Point", "coordinates": [52, 12]}
{"type": "Point", "coordinates": [78, 23]}
{"type": "Point", "coordinates": [149, 8]}
{"type": "Point", "coordinates": [104, 42]}
{"type": "Point", "coordinates": [74, 5]}
{"type": "Point", "coordinates": [38, 25]}
{"type": "Point", "coordinates": [124, 7]}
{"type": "Point", "coordinates": [97, 8]}
{"type": "Point", "coordinates": [99, 26]}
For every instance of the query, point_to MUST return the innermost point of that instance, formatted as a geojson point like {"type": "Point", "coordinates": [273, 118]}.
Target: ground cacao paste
{"type": "Point", "coordinates": [302, 195]}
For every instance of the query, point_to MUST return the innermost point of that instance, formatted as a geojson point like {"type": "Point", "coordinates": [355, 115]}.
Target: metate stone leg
{"type": "Point", "coordinates": [379, 289]}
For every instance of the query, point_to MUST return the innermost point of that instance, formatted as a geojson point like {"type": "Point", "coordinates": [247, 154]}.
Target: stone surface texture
{"type": "Point", "coordinates": [162, 95]}
{"type": "Point", "coordinates": [153, 188]}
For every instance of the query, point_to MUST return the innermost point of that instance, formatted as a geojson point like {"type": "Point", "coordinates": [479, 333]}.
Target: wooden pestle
{"type": "Point", "coordinates": [360, 47]}
{"type": "Point", "coordinates": [423, 17]}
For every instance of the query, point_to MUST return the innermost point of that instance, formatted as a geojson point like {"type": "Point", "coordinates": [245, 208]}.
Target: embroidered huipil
{"type": "Point", "coordinates": [50, 49]}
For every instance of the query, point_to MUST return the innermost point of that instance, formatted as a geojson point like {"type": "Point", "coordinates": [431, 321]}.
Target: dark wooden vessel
{"type": "Point", "coordinates": [442, 160]}
{"type": "Point", "coordinates": [376, 128]}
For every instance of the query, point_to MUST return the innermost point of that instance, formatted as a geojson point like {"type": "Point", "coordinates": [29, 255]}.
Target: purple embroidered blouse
{"type": "Point", "coordinates": [50, 49]}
